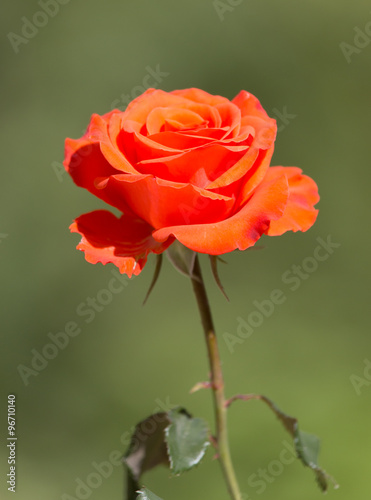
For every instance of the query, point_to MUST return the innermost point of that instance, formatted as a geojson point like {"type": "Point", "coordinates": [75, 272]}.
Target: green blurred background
{"type": "Point", "coordinates": [306, 356]}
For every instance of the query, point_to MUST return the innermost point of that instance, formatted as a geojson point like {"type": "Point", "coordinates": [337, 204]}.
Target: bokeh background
{"type": "Point", "coordinates": [309, 65]}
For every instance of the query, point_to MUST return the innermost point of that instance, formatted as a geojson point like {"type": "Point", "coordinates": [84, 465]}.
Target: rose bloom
{"type": "Point", "coordinates": [187, 166]}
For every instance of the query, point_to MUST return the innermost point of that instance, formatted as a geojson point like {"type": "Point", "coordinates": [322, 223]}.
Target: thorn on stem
{"type": "Point", "coordinates": [199, 386]}
{"type": "Point", "coordinates": [214, 268]}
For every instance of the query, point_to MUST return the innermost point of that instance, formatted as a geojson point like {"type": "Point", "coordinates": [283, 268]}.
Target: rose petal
{"type": "Point", "coordinates": [138, 147]}
{"type": "Point", "coordinates": [261, 147]}
{"type": "Point", "coordinates": [265, 131]}
{"type": "Point", "coordinates": [185, 165]}
{"type": "Point", "coordinates": [178, 141]}
{"type": "Point", "coordinates": [85, 163]}
{"type": "Point", "coordinates": [166, 144]}
{"type": "Point", "coordinates": [249, 105]}
{"type": "Point", "coordinates": [198, 95]}
{"type": "Point", "coordinates": [159, 118]}
{"type": "Point", "coordinates": [255, 175]}
{"type": "Point", "coordinates": [231, 118]}
{"type": "Point", "coordinates": [163, 203]}
{"type": "Point", "coordinates": [124, 242]}
{"type": "Point", "coordinates": [105, 130]}
{"type": "Point", "coordinates": [253, 114]}
{"type": "Point", "coordinates": [193, 99]}
{"type": "Point", "coordinates": [139, 108]}
{"type": "Point", "coordinates": [210, 133]}
{"type": "Point", "coordinates": [237, 171]}
{"type": "Point", "coordinates": [241, 230]}
{"type": "Point", "coordinates": [213, 160]}
{"type": "Point", "coordinates": [299, 214]}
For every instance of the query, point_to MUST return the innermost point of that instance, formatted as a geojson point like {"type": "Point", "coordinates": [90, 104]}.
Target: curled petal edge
{"type": "Point", "coordinates": [125, 242]}
{"type": "Point", "coordinates": [240, 231]}
{"type": "Point", "coordinates": [299, 214]}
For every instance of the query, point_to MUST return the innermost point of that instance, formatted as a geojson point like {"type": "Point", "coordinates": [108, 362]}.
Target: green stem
{"type": "Point", "coordinates": [217, 382]}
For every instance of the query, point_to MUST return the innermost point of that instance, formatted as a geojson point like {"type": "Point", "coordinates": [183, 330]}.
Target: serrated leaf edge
{"type": "Point", "coordinates": [167, 430]}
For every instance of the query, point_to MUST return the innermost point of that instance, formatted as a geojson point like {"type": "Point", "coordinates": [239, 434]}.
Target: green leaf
{"type": "Point", "coordinates": [173, 438]}
{"type": "Point", "coordinates": [307, 446]}
{"type": "Point", "coordinates": [147, 449]}
{"type": "Point", "coordinates": [182, 258]}
{"type": "Point", "coordinates": [145, 494]}
{"type": "Point", "coordinates": [187, 440]}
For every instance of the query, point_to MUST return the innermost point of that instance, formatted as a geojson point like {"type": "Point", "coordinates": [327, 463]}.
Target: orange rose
{"type": "Point", "coordinates": [187, 166]}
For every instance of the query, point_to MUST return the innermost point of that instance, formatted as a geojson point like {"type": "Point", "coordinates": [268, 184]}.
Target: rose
{"type": "Point", "coordinates": [189, 166]}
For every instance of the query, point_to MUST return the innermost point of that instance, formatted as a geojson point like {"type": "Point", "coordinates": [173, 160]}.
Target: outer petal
{"type": "Point", "coordinates": [163, 203]}
{"type": "Point", "coordinates": [125, 242]}
{"type": "Point", "coordinates": [249, 105]}
{"type": "Point", "coordinates": [241, 230]}
{"type": "Point", "coordinates": [253, 115]}
{"type": "Point", "coordinates": [85, 163]}
{"type": "Point", "coordinates": [300, 213]}
{"type": "Point", "coordinates": [198, 95]}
